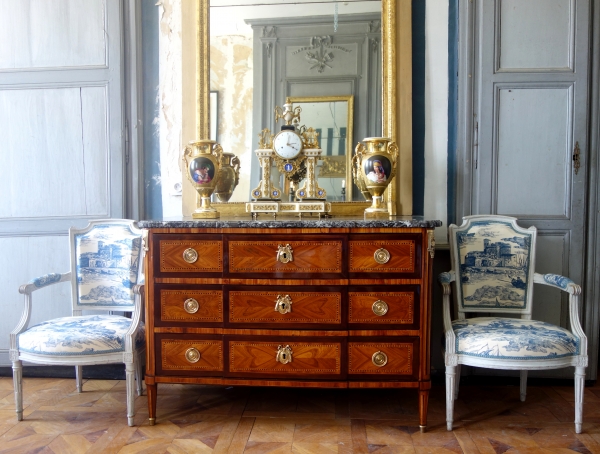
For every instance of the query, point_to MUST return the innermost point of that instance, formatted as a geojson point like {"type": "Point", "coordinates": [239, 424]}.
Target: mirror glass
{"type": "Point", "coordinates": [331, 117]}
{"type": "Point", "coordinates": [233, 76]}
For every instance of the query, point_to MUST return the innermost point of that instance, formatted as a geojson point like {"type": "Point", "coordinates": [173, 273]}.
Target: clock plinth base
{"type": "Point", "coordinates": [378, 215]}
{"type": "Point", "coordinates": [288, 208]}
{"type": "Point", "coordinates": [206, 215]}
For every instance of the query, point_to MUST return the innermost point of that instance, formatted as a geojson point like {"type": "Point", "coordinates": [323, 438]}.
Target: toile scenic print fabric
{"type": "Point", "coordinates": [513, 338]}
{"type": "Point", "coordinates": [84, 335]}
{"type": "Point", "coordinates": [107, 267]}
{"type": "Point", "coordinates": [494, 266]}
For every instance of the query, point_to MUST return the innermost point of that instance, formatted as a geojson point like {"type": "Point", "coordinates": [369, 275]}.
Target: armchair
{"type": "Point", "coordinates": [106, 275]}
{"type": "Point", "coordinates": [493, 262]}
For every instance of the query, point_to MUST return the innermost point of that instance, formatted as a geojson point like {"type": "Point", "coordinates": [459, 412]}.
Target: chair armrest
{"type": "Point", "coordinates": [445, 279]}
{"type": "Point", "coordinates": [557, 281]}
{"type": "Point", "coordinates": [567, 285]}
{"type": "Point", "coordinates": [43, 281]}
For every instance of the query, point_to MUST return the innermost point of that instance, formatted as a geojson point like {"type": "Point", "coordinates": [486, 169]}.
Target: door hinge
{"type": "Point", "coordinates": [576, 157]}
{"type": "Point", "coordinates": [476, 144]}
{"type": "Point", "coordinates": [126, 132]}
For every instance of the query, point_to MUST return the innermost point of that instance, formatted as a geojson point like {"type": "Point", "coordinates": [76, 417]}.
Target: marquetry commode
{"type": "Point", "coordinates": [332, 303]}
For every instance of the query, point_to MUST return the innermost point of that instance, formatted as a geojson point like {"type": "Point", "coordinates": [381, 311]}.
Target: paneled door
{"type": "Point", "coordinates": [525, 64]}
{"type": "Point", "coordinates": [61, 158]}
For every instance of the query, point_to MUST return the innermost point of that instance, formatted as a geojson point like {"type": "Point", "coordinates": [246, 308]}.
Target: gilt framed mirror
{"type": "Point", "coordinates": [395, 105]}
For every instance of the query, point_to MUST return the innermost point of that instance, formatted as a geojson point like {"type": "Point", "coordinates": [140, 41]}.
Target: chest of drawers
{"type": "Point", "coordinates": [327, 304]}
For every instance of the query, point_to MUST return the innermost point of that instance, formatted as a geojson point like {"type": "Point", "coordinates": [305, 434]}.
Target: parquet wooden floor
{"type": "Point", "coordinates": [207, 419]}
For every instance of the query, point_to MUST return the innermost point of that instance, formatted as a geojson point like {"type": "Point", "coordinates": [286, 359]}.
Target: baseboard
{"type": "Point", "coordinates": [99, 372]}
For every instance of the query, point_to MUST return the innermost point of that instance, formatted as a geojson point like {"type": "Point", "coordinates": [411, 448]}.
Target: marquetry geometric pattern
{"type": "Point", "coordinates": [209, 256]}
{"type": "Point", "coordinates": [235, 420]}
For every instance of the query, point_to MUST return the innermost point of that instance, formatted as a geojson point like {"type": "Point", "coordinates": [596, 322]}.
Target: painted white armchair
{"type": "Point", "coordinates": [106, 275]}
{"type": "Point", "coordinates": [493, 263]}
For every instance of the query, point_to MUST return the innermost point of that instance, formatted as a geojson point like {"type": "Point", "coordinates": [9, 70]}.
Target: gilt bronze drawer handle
{"type": "Point", "coordinates": [192, 355]}
{"type": "Point", "coordinates": [285, 253]}
{"type": "Point", "coordinates": [379, 359]}
{"type": "Point", "coordinates": [283, 305]}
{"type": "Point", "coordinates": [284, 354]}
{"type": "Point", "coordinates": [381, 256]}
{"type": "Point", "coordinates": [190, 255]}
{"type": "Point", "coordinates": [380, 308]}
{"type": "Point", "coordinates": [191, 306]}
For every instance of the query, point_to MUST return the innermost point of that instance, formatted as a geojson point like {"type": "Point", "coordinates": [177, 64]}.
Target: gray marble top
{"type": "Point", "coordinates": [266, 221]}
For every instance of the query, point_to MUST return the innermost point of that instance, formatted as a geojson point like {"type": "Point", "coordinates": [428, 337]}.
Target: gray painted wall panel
{"type": "Point", "coordinates": [533, 169]}
{"type": "Point", "coordinates": [536, 34]}
{"type": "Point", "coordinates": [60, 33]}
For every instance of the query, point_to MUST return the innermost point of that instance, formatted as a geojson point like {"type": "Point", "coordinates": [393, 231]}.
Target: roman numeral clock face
{"type": "Point", "coordinates": [287, 144]}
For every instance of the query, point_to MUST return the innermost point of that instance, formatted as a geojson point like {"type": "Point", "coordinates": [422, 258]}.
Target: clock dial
{"type": "Point", "coordinates": [287, 144]}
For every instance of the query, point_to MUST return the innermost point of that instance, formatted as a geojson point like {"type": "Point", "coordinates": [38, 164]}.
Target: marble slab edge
{"type": "Point", "coordinates": [291, 223]}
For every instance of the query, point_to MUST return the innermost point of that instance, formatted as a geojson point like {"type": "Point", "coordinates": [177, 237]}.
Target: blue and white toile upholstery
{"type": "Point", "coordinates": [107, 276]}
{"type": "Point", "coordinates": [493, 264]}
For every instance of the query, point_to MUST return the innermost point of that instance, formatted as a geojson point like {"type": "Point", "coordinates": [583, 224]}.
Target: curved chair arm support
{"type": "Point", "coordinates": [567, 285]}
{"type": "Point", "coordinates": [27, 290]}
{"type": "Point", "coordinates": [43, 281]}
{"type": "Point", "coordinates": [445, 279]}
{"type": "Point", "coordinates": [136, 316]}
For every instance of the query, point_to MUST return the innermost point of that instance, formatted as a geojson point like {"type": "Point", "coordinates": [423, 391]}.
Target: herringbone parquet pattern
{"type": "Point", "coordinates": [205, 419]}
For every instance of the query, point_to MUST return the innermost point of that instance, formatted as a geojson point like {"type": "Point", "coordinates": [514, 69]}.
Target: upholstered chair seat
{"type": "Point", "coordinates": [83, 335]}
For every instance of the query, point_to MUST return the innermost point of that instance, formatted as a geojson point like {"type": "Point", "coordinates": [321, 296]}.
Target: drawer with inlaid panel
{"type": "Point", "coordinates": [285, 306]}
{"type": "Point", "coordinates": [381, 256]}
{"type": "Point", "coordinates": [188, 305]}
{"type": "Point", "coordinates": [182, 354]}
{"type": "Point", "coordinates": [394, 358]}
{"type": "Point", "coordinates": [384, 307]}
{"type": "Point", "coordinates": [286, 357]}
{"type": "Point", "coordinates": [297, 256]}
{"type": "Point", "coordinates": [184, 254]}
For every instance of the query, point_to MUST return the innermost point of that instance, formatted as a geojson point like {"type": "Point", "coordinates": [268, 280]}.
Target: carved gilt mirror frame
{"type": "Point", "coordinates": [396, 92]}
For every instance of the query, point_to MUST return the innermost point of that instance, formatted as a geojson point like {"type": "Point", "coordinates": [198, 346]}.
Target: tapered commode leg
{"type": "Point", "coordinates": [579, 386]}
{"type": "Point", "coordinates": [450, 385]}
{"type": "Point", "coordinates": [151, 391]}
{"type": "Point", "coordinates": [523, 387]}
{"type": "Point", "coordinates": [423, 404]}
{"type": "Point", "coordinates": [79, 378]}
{"type": "Point", "coordinates": [18, 387]}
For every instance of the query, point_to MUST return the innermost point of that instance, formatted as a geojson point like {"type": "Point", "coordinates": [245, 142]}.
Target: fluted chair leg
{"type": "Point", "coordinates": [457, 382]}
{"type": "Point", "coordinates": [139, 364]}
{"type": "Point", "coordinates": [450, 390]}
{"type": "Point", "coordinates": [79, 378]}
{"type": "Point", "coordinates": [130, 385]}
{"type": "Point", "coordinates": [523, 386]}
{"type": "Point", "coordinates": [18, 387]}
{"type": "Point", "coordinates": [579, 386]}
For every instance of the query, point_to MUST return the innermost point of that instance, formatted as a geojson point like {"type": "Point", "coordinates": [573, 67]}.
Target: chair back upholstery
{"type": "Point", "coordinates": [494, 262]}
{"type": "Point", "coordinates": [106, 263]}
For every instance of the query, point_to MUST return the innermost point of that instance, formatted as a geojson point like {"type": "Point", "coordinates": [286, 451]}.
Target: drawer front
{"type": "Point", "coordinates": [399, 256]}
{"type": "Point", "coordinates": [188, 254]}
{"type": "Point", "coordinates": [398, 307]}
{"type": "Point", "coordinates": [321, 257]}
{"type": "Point", "coordinates": [382, 358]}
{"type": "Point", "coordinates": [189, 306]}
{"type": "Point", "coordinates": [286, 358]}
{"type": "Point", "coordinates": [180, 355]}
{"type": "Point", "coordinates": [281, 306]}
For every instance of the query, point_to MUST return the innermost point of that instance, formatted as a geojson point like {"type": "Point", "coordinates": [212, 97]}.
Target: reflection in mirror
{"type": "Point", "coordinates": [332, 117]}
{"type": "Point", "coordinates": [235, 76]}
